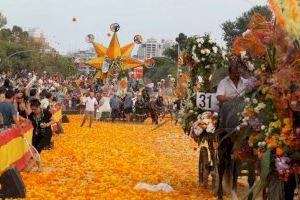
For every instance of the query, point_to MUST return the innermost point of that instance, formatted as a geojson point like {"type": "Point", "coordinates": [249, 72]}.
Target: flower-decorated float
{"type": "Point", "coordinates": [205, 59]}
{"type": "Point", "coordinates": [270, 121]}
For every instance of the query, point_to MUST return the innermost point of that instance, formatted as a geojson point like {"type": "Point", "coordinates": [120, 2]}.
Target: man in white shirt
{"type": "Point", "coordinates": [90, 107]}
{"type": "Point", "coordinates": [231, 86]}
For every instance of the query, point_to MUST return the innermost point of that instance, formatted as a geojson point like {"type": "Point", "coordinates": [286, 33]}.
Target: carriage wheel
{"type": "Point", "coordinates": [215, 174]}
{"type": "Point", "coordinates": [203, 167]}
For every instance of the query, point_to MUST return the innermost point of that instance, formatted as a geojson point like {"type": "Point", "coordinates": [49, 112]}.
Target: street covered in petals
{"type": "Point", "coordinates": [107, 161]}
{"type": "Point", "coordinates": [195, 99]}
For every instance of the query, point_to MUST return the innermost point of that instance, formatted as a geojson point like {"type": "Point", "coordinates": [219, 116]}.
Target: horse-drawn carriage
{"type": "Point", "coordinates": [216, 148]}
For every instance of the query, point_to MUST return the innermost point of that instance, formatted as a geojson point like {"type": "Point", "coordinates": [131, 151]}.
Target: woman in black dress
{"type": "Point", "coordinates": [41, 121]}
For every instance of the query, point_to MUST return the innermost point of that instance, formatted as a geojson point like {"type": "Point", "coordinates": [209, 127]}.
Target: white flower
{"type": "Point", "coordinates": [238, 128]}
{"type": "Point", "coordinates": [250, 66]}
{"type": "Point", "coordinates": [255, 101]}
{"type": "Point", "coordinates": [246, 32]}
{"type": "Point", "coordinates": [256, 110]}
{"type": "Point", "coordinates": [261, 105]}
{"type": "Point", "coordinates": [211, 41]}
{"type": "Point", "coordinates": [207, 67]}
{"type": "Point", "coordinates": [247, 100]}
{"type": "Point", "coordinates": [210, 128]}
{"type": "Point", "coordinates": [200, 79]}
{"type": "Point", "coordinates": [198, 131]}
{"type": "Point", "coordinates": [215, 49]}
{"type": "Point", "coordinates": [244, 123]}
{"type": "Point", "coordinates": [203, 51]}
{"type": "Point", "coordinates": [207, 51]}
{"type": "Point", "coordinates": [199, 45]}
{"type": "Point", "coordinates": [194, 48]}
{"type": "Point", "coordinates": [198, 40]}
{"type": "Point", "coordinates": [259, 144]}
{"type": "Point", "coordinates": [201, 40]}
{"type": "Point", "coordinates": [195, 57]}
{"type": "Point", "coordinates": [215, 114]}
{"type": "Point", "coordinates": [243, 54]}
{"type": "Point", "coordinates": [224, 53]}
{"type": "Point", "coordinates": [203, 59]}
{"type": "Point", "coordinates": [263, 127]}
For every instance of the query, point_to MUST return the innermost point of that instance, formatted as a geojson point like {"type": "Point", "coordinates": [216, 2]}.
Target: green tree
{"type": "Point", "coordinates": [163, 67]}
{"type": "Point", "coordinates": [172, 52]}
{"type": "Point", "coordinates": [239, 25]}
{"type": "Point", "coordinates": [3, 20]}
{"type": "Point", "coordinates": [29, 53]}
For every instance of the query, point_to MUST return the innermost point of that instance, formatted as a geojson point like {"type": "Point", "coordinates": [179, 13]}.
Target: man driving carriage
{"type": "Point", "coordinates": [229, 93]}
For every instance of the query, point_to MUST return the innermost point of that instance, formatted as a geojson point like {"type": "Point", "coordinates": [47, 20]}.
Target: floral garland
{"type": "Point", "coordinates": [204, 57]}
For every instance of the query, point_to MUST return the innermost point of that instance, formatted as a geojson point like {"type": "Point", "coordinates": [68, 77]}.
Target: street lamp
{"type": "Point", "coordinates": [178, 64]}
{"type": "Point", "coordinates": [7, 58]}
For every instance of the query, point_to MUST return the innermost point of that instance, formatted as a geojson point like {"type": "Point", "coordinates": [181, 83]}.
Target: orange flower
{"type": "Point", "coordinates": [279, 151]}
{"type": "Point", "coordinates": [271, 142]}
{"type": "Point", "coordinates": [279, 16]}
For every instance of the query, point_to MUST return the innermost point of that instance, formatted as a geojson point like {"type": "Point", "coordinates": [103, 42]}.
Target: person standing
{"type": "Point", "coordinates": [115, 104]}
{"type": "Point", "coordinates": [8, 112]}
{"type": "Point", "coordinates": [90, 107]}
{"type": "Point", "coordinates": [128, 104]}
{"type": "Point", "coordinates": [41, 122]}
{"type": "Point", "coordinates": [82, 103]}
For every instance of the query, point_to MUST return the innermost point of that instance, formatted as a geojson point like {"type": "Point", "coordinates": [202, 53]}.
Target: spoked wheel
{"type": "Point", "coordinates": [203, 167]}
{"type": "Point", "coordinates": [215, 173]}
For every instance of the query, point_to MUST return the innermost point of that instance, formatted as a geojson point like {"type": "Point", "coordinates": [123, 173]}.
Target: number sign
{"type": "Point", "coordinates": [207, 101]}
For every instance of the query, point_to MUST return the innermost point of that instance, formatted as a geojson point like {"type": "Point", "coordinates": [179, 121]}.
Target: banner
{"type": "Point", "coordinates": [138, 73]}
{"type": "Point", "coordinates": [56, 116]}
{"type": "Point", "coordinates": [13, 148]}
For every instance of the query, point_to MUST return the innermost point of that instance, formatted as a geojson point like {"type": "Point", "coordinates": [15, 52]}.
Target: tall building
{"type": "Point", "coordinates": [153, 48]}
{"type": "Point", "coordinates": [80, 57]}
{"type": "Point", "coordinates": [39, 36]}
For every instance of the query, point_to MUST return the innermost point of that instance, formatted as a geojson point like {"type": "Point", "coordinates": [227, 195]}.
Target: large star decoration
{"type": "Point", "coordinates": [115, 53]}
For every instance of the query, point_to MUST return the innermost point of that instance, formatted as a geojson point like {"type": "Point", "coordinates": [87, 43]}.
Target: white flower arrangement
{"type": "Point", "coordinates": [207, 122]}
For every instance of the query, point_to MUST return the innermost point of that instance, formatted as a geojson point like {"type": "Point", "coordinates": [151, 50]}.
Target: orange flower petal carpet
{"type": "Point", "coordinates": [108, 160]}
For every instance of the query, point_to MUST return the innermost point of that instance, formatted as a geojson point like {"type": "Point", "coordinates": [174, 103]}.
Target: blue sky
{"type": "Point", "coordinates": [150, 18]}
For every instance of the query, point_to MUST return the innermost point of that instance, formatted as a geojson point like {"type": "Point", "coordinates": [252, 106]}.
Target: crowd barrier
{"type": "Point", "coordinates": [13, 148]}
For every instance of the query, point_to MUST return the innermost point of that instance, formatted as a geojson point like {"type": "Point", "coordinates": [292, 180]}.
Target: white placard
{"type": "Point", "coordinates": [207, 101]}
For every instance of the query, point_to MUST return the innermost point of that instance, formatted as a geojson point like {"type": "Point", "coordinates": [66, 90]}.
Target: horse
{"type": "Point", "coordinates": [156, 108]}
{"type": "Point", "coordinates": [228, 132]}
